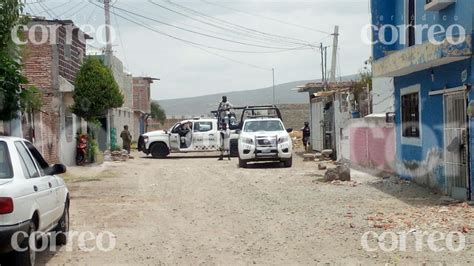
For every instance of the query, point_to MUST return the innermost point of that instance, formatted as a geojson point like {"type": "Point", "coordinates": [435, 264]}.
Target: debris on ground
{"type": "Point", "coordinates": [340, 173]}
{"type": "Point", "coordinates": [327, 153]}
{"type": "Point", "coordinates": [116, 156]}
{"type": "Point", "coordinates": [322, 166]}
{"type": "Point", "coordinates": [308, 157]}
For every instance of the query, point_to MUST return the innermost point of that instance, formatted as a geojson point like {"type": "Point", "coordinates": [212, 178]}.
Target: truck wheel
{"type": "Point", "coordinates": [242, 163]}
{"type": "Point", "coordinates": [63, 227]}
{"type": "Point", "coordinates": [159, 150]}
{"type": "Point", "coordinates": [288, 163]}
{"type": "Point", "coordinates": [28, 255]}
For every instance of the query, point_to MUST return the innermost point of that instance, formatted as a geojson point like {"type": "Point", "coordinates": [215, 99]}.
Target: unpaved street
{"type": "Point", "coordinates": [200, 211]}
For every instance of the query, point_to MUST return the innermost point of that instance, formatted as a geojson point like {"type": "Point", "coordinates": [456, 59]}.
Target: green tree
{"type": "Point", "coordinates": [96, 91]}
{"type": "Point", "coordinates": [157, 112]}
{"type": "Point", "coordinates": [11, 77]}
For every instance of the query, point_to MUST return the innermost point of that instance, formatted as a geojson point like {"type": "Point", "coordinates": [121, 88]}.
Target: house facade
{"type": "Point", "coordinates": [422, 51]}
{"type": "Point", "coordinates": [52, 67]}
{"type": "Point", "coordinates": [141, 104]}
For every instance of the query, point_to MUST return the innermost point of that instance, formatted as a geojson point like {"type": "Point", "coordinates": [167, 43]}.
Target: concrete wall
{"type": "Point", "coordinates": [383, 100]}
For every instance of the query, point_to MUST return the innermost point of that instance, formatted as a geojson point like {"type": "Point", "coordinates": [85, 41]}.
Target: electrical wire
{"type": "Point", "coordinates": [47, 10]}
{"type": "Point", "coordinates": [121, 42]}
{"type": "Point", "coordinates": [250, 30]}
{"type": "Point", "coordinates": [75, 9]}
{"type": "Point", "coordinates": [234, 29]}
{"type": "Point", "coordinates": [222, 33]}
{"type": "Point", "coordinates": [204, 34]}
{"type": "Point", "coordinates": [195, 45]}
{"type": "Point", "coordinates": [267, 18]}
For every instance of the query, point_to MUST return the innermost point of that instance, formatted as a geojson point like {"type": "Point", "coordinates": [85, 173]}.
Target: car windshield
{"type": "Point", "coordinates": [256, 126]}
{"type": "Point", "coordinates": [5, 163]}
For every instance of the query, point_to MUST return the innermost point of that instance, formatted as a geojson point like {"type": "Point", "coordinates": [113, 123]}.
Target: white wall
{"type": "Point", "coordinates": [383, 100]}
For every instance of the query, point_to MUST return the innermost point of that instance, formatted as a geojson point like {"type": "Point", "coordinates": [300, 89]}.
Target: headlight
{"type": "Point", "coordinates": [247, 140]}
{"type": "Point", "coordinates": [145, 139]}
{"type": "Point", "coordinates": [283, 139]}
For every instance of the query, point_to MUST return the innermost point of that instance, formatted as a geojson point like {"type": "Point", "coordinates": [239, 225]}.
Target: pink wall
{"type": "Point", "coordinates": [373, 147]}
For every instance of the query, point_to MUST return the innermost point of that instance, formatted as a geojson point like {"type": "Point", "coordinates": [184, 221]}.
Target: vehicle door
{"type": "Point", "coordinates": [40, 185]}
{"type": "Point", "coordinates": [205, 136]}
{"type": "Point", "coordinates": [175, 140]}
{"type": "Point", "coordinates": [58, 189]}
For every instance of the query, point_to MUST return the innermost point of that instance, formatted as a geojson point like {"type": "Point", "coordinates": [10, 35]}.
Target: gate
{"type": "Point", "coordinates": [317, 117]}
{"type": "Point", "coordinates": [455, 145]}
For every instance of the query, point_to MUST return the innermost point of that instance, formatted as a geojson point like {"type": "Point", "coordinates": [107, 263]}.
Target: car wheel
{"type": "Point", "coordinates": [242, 163]}
{"type": "Point", "coordinates": [159, 150]}
{"type": "Point", "coordinates": [28, 255]}
{"type": "Point", "coordinates": [288, 163]}
{"type": "Point", "coordinates": [63, 227]}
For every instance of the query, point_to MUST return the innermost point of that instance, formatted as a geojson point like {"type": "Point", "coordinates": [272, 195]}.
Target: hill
{"type": "Point", "coordinates": [202, 105]}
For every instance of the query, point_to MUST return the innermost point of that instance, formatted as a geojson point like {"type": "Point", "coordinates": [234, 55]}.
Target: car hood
{"type": "Point", "coordinates": [155, 133]}
{"type": "Point", "coordinates": [264, 134]}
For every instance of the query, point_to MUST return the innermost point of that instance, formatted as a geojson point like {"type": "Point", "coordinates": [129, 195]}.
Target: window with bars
{"type": "Point", "coordinates": [410, 115]}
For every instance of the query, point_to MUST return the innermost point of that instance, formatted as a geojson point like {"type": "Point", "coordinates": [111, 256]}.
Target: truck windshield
{"type": "Point", "coordinates": [256, 126]}
{"type": "Point", "coordinates": [5, 163]}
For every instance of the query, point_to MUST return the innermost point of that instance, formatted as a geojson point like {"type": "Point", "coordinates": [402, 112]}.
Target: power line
{"type": "Point", "coordinates": [47, 10]}
{"type": "Point", "coordinates": [235, 28]}
{"type": "Point", "coordinates": [204, 34]}
{"type": "Point", "coordinates": [74, 9]}
{"type": "Point", "coordinates": [267, 18]}
{"type": "Point", "coordinates": [232, 24]}
{"type": "Point", "coordinates": [121, 42]}
{"type": "Point", "coordinates": [222, 33]}
{"type": "Point", "coordinates": [195, 45]}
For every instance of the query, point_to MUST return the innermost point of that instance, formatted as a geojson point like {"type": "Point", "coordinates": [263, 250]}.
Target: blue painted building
{"type": "Point", "coordinates": [425, 47]}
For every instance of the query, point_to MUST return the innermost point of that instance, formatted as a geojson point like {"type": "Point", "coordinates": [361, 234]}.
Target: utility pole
{"type": "Point", "coordinates": [273, 75]}
{"type": "Point", "coordinates": [323, 74]}
{"type": "Point", "coordinates": [108, 48]}
{"type": "Point", "coordinates": [334, 54]}
{"type": "Point", "coordinates": [108, 63]}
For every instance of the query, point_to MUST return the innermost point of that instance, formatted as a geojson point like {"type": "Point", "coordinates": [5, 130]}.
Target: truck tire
{"type": "Point", "coordinates": [288, 163]}
{"type": "Point", "coordinates": [159, 150]}
{"type": "Point", "coordinates": [242, 163]}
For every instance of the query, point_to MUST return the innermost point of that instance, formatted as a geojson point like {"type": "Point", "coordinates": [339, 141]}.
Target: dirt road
{"type": "Point", "coordinates": [200, 211]}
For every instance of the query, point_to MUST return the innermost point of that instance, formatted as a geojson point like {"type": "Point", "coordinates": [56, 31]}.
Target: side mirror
{"type": "Point", "coordinates": [56, 169]}
{"type": "Point", "coordinates": [289, 130]}
{"type": "Point", "coordinates": [238, 131]}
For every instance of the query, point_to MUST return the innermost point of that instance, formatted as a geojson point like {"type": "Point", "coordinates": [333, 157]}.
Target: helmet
{"type": "Point", "coordinates": [224, 98]}
{"type": "Point", "coordinates": [306, 123]}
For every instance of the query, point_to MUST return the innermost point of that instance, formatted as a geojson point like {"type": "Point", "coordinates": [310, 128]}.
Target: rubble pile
{"type": "Point", "coordinates": [115, 156]}
{"type": "Point", "coordinates": [455, 217]}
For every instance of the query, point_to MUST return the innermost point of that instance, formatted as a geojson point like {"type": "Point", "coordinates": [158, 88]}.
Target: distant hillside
{"type": "Point", "coordinates": [202, 105]}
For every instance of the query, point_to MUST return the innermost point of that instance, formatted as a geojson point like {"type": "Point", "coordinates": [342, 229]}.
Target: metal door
{"type": "Point", "coordinates": [455, 145]}
{"type": "Point", "coordinates": [317, 133]}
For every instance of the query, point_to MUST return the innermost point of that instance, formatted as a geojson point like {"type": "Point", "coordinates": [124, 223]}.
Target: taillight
{"type": "Point", "coordinates": [6, 205]}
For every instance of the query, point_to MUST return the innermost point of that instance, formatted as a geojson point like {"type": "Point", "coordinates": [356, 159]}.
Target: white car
{"type": "Point", "coordinates": [265, 139]}
{"type": "Point", "coordinates": [32, 199]}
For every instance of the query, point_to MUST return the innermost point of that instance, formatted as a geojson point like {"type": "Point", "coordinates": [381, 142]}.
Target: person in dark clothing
{"type": "Point", "coordinates": [306, 135]}
{"type": "Point", "coordinates": [126, 139]}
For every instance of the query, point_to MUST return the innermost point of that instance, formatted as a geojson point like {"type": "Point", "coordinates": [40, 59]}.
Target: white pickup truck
{"type": "Point", "coordinates": [265, 139]}
{"type": "Point", "coordinates": [201, 134]}
{"type": "Point", "coordinates": [196, 135]}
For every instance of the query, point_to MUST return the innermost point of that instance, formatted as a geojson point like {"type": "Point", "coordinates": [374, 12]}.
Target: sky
{"type": "Point", "coordinates": [266, 33]}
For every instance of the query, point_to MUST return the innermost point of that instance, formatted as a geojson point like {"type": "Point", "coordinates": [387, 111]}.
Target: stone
{"type": "Point", "coordinates": [327, 153]}
{"type": "Point", "coordinates": [307, 157]}
{"type": "Point", "coordinates": [322, 166]}
{"type": "Point", "coordinates": [340, 173]}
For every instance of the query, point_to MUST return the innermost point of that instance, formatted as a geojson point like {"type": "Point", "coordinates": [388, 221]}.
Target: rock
{"type": "Point", "coordinates": [327, 153]}
{"type": "Point", "coordinates": [308, 157]}
{"type": "Point", "coordinates": [341, 173]}
{"type": "Point", "coordinates": [322, 166]}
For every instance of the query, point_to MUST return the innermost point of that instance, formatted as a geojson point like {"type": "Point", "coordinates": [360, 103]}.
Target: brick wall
{"type": "Point", "coordinates": [141, 94]}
